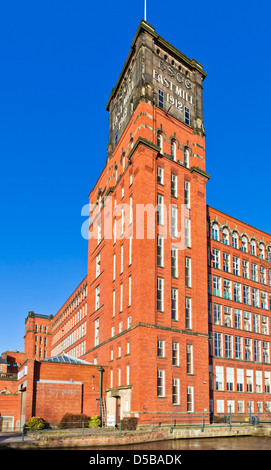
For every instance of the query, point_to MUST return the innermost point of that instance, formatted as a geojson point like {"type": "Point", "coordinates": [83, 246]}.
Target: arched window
{"type": "Point", "coordinates": [173, 150]}
{"type": "Point", "coordinates": [244, 244]}
{"type": "Point", "coordinates": [261, 251]}
{"type": "Point", "coordinates": [253, 247]}
{"type": "Point", "coordinates": [269, 253]}
{"type": "Point", "coordinates": [225, 236]}
{"type": "Point", "coordinates": [160, 141]}
{"type": "Point", "coordinates": [186, 158]}
{"type": "Point", "coordinates": [215, 232]}
{"type": "Point", "coordinates": [235, 239]}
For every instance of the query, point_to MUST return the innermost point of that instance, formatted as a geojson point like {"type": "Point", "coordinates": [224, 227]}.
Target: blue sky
{"type": "Point", "coordinates": [59, 61]}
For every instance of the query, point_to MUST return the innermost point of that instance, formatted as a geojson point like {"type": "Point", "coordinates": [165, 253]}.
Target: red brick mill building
{"type": "Point", "coordinates": [173, 316]}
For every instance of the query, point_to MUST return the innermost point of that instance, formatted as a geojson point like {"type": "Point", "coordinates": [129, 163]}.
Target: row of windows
{"type": "Point", "coordinates": [113, 330]}
{"type": "Point", "coordinates": [77, 351]}
{"type": "Point", "coordinates": [40, 352]}
{"type": "Point", "coordinates": [174, 303]}
{"type": "Point", "coordinates": [77, 300]}
{"type": "Point", "coordinates": [242, 243]}
{"type": "Point", "coordinates": [175, 354]}
{"type": "Point", "coordinates": [239, 267]}
{"type": "Point", "coordinates": [176, 398]}
{"type": "Point", "coordinates": [240, 406]}
{"type": "Point", "coordinates": [237, 292]}
{"type": "Point", "coordinates": [174, 185]}
{"type": "Point", "coordinates": [235, 318]}
{"type": "Point", "coordinates": [41, 339]}
{"type": "Point", "coordinates": [161, 102]}
{"type": "Point", "coordinates": [161, 217]}
{"type": "Point", "coordinates": [98, 296]}
{"type": "Point", "coordinates": [73, 321]}
{"type": "Point", "coordinates": [236, 347]}
{"type": "Point", "coordinates": [240, 380]}
{"type": "Point", "coordinates": [40, 328]}
{"type": "Point", "coordinates": [174, 261]}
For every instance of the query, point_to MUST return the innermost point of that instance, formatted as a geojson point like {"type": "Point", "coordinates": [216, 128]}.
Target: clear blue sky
{"type": "Point", "coordinates": [59, 62]}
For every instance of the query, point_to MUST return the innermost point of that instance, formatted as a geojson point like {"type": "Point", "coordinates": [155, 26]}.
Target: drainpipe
{"type": "Point", "coordinates": [101, 381]}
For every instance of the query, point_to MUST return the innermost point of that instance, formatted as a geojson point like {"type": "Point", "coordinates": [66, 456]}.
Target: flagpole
{"type": "Point", "coordinates": [145, 10]}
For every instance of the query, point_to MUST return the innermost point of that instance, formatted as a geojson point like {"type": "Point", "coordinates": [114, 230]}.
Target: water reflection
{"type": "Point", "coordinates": [221, 443]}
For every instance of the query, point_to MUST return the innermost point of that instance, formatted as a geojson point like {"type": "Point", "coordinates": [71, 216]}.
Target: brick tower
{"type": "Point", "coordinates": [147, 261]}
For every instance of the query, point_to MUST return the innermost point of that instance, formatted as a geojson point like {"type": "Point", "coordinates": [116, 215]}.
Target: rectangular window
{"type": "Point", "coordinates": [227, 289]}
{"type": "Point", "coordinates": [160, 348]}
{"type": "Point", "coordinates": [160, 251]}
{"type": "Point", "coordinates": [258, 381]}
{"type": "Point", "coordinates": [130, 249]}
{"type": "Point", "coordinates": [121, 297]}
{"type": "Point", "coordinates": [160, 98]}
{"type": "Point", "coordinates": [160, 294]}
{"type": "Point", "coordinates": [227, 316]}
{"type": "Point", "coordinates": [187, 272]}
{"type": "Point", "coordinates": [218, 344]}
{"type": "Point", "coordinates": [174, 304]}
{"type": "Point", "coordinates": [240, 380]}
{"type": "Point", "coordinates": [173, 185]}
{"type": "Point", "coordinates": [246, 295]}
{"type": "Point", "coordinates": [256, 323]}
{"type": "Point", "coordinates": [216, 258]}
{"type": "Point", "coordinates": [238, 348]}
{"type": "Point", "coordinates": [187, 194]}
{"type": "Point", "coordinates": [255, 297]}
{"type": "Point", "coordinates": [217, 286]}
{"type": "Point", "coordinates": [228, 346]}
{"type": "Point", "coordinates": [248, 353]}
{"type": "Point", "coordinates": [237, 318]}
{"type": "Point", "coordinates": [97, 297]}
{"type": "Point", "coordinates": [121, 259]}
{"type": "Point", "coordinates": [236, 266]}
{"type": "Point", "coordinates": [174, 262]}
{"type": "Point", "coordinates": [160, 383]}
{"type": "Point", "coordinates": [217, 314]}
{"type": "Point", "coordinates": [98, 264]}
{"type": "Point", "coordinates": [219, 377]}
{"type": "Point", "coordinates": [175, 391]}
{"type": "Point", "coordinates": [190, 399]}
{"type": "Point", "coordinates": [160, 175]}
{"type": "Point", "coordinates": [114, 266]}
{"type": "Point", "coordinates": [99, 232]}
{"type": "Point", "coordinates": [187, 234]}
{"type": "Point", "coordinates": [247, 321]}
{"type": "Point", "coordinates": [226, 262]}
{"type": "Point", "coordinates": [189, 359]}
{"type": "Point", "coordinates": [249, 375]}
{"type": "Point", "coordinates": [257, 351]}
{"type": "Point", "coordinates": [236, 292]}
{"type": "Point", "coordinates": [130, 291]}
{"type": "Point", "coordinates": [173, 220]}
{"type": "Point", "coordinates": [254, 272]}
{"type": "Point", "coordinates": [114, 303]}
{"type": "Point", "coordinates": [230, 379]}
{"type": "Point", "coordinates": [96, 332]}
{"type": "Point", "coordinates": [245, 269]}
{"type": "Point", "coordinates": [160, 209]}
{"type": "Point", "coordinates": [187, 115]}
{"type": "Point", "coordinates": [188, 314]}
{"type": "Point", "coordinates": [175, 354]}
{"type": "Point", "coordinates": [131, 210]}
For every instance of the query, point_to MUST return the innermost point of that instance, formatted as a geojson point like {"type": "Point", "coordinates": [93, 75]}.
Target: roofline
{"type": "Point", "coordinates": [144, 26]}
{"type": "Point", "coordinates": [242, 222]}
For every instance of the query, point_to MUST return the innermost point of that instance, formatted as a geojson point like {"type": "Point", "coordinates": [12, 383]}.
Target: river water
{"type": "Point", "coordinates": [219, 443]}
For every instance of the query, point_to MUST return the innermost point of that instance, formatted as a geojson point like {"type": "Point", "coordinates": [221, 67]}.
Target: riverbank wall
{"type": "Point", "coordinates": [62, 441]}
